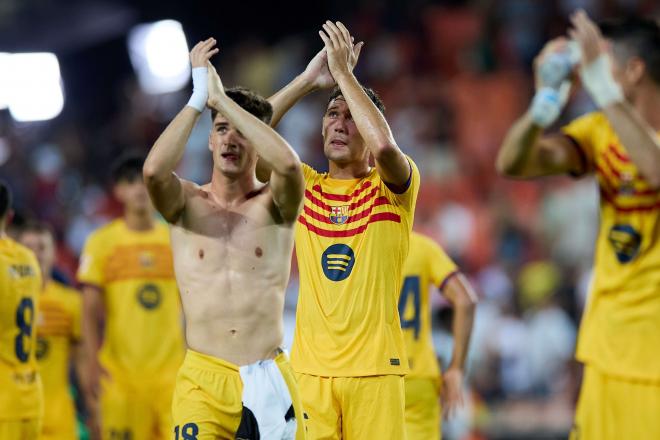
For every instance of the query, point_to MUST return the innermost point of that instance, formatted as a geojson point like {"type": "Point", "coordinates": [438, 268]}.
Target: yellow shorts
{"type": "Point", "coordinates": [136, 410]}
{"type": "Point", "coordinates": [25, 429]}
{"type": "Point", "coordinates": [215, 399]}
{"type": "Point", "coordinates": [353, 408]}
{"type": "Point", "coordinates": [423, 421]}
{"type": "Point", "coordinates": [612, 408]}
{"type": "Point", "coordinates": [59, 417]}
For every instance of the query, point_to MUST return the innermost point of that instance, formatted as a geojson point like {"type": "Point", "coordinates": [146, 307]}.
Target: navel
{"type": "Point", "coordinates": [258, 252]}
{"type": "Point", "coordinates": [201, 254]}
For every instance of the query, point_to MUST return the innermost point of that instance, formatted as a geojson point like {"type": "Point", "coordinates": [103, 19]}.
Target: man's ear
{"type": "Point", "coordinates": [635, 70]}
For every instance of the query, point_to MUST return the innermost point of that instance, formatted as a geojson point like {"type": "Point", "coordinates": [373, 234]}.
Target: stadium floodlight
{"type": "Point", "coordinates": [4, 80]}
{"type": "Point", "coordinates": [159, 54]}
{"type": "Point", "coordinates": [34, 86]}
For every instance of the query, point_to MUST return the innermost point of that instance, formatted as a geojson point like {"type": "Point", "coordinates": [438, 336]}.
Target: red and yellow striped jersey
{"type": "Point", "coordinates": [427, 268]}
{"type": "Point", "coordinates": [143, 326]}
{"type": "Point", "coordinates": [620, 330]}
{"type": "Point", "coordinates": [20, 284]}
{"type": "Point", "coordinates": [352, 240]}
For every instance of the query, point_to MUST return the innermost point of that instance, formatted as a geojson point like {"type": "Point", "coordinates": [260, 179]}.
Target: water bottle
{"type": "Point", "coordinates": [557, 66]}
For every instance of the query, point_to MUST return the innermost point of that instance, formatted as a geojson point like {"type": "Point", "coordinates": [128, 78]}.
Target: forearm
{"type": "Point", "coordinates": [168, 150]}
{"type": "Point", "coordinates": [517, 148]}
{"type": "Point", "coordinates": [287, 97]}
{"type": "Point", "coordinates": [638, 139]}
{"type": "Point", "coordinates": [92, 315]}
{"type": "Point", "coordinates": [369, 121]}
{"type": "Point", "coordinates": [462, 330]}
{"type": "Point", "coordinates": [270, 146]}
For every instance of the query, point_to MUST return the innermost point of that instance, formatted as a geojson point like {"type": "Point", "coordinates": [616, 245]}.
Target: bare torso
{"type": "Point", "coordinates": [232, 267]}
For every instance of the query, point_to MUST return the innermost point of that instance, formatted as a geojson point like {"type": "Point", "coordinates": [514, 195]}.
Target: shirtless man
{"type": "Point", "coordinates": [232, 240]}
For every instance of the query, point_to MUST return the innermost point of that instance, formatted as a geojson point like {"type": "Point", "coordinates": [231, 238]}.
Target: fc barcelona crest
{"type": "Point", "coordinates": [339, 214]}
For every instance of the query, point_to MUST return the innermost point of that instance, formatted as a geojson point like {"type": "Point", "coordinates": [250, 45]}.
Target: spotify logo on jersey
{"type": "Point", "coordinates": [337, 262]}
{"type": "Point", "coordinates": [149, 296]}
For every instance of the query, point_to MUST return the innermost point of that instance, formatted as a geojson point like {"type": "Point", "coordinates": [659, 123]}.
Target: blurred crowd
{"type": "Point", "coordinates": [453, 76]}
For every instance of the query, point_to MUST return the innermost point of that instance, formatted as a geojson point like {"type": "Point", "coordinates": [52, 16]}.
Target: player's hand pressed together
{"type": "Point", "coordinates": [339, 48]}
{"type": "Point", "coordinates": [553, 46]}
{"type": "Point", "coordinates": [452, 391]}
{"type": "Point", "coordinates": [215, 87]}
{"type": "Point", "coordinates": [588, 36]}
{"type": "Point", "coordinates": [202, 52]}
{"type": "Point", "coordinates": [317, 73]}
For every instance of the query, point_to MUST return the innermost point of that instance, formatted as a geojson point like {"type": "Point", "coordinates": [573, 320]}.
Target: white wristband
{"type": "Point", "coordinates": [548, 104]}
{"type": "Point", "coordinates": [200, 89]}
{"type": "Point", "coordinates": [598, 80]}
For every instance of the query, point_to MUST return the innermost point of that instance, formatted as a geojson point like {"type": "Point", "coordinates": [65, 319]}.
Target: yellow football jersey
{"type": "Point", "coordinates": [427, 268]}
{"type": "Point", "coordinates": [58, 327]}
{"type": "Point", "coordinates": [620, 330]}
{"type": "Point", "coordinates": [352, 240]}
{"type": "Point", "coordinates": [143, 337]}
{"type": "Point", "coordinates": [20, 284]}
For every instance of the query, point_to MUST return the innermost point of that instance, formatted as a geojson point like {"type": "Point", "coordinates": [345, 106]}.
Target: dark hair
{"type": "Point", "coordinates": [249, 101]}
{"type": "Point", "coordinates": [5, 198]}
{"type": "Point", "coordinates": [638, 37]}
{"type": "Point", "coordinates": [36, 227]}
{"type": "Point", "coordinates": [127, 168]}
{"type": "Point", "coordinates": [370, 93]}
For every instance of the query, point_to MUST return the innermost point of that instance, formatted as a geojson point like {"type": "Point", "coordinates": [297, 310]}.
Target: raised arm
{"type": "Point", "coordinates": [165, 188]}
{"type": "Point", "coordinates": [526, 151]}
{"type": "Point", "coordinates": [633, 131]}
{"type": "Point", "coordinates": [316, 76]}
{"type": "Point", "coordinates": [286, 182]}
{"type": "Point", "coordinates": [391, 163]}
{"type": "Point", "coordinates": [458, 291]}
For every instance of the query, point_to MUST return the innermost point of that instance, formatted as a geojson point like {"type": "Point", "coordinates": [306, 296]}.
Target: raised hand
{"type": "Point", "coordinates": [341, 54]}
{"type": "Point", "coordinates": [202, 52]}
{"type": "Point", "coordinates": [215, 87]}
{"type": "Point", "coordinates": [588, 36]}
{"type": "Point", "coordinates": [552, 46]}
{"type": "Point", "coordinates": [317, 72]}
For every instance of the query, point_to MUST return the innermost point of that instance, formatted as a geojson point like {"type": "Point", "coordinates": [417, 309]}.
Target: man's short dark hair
{"type": "Point", "coordinates": [634, 36]}
{"type": "Point", "coordinates": [36, 227]}
{"type": "Point", "coordinates": [249, 101]}
{"type": "Point", "coordinates": [370, 93]}
{"type": "Point", "coordinates": [5, 199]}
{"type": "Point", "coordinates": [127, 168]}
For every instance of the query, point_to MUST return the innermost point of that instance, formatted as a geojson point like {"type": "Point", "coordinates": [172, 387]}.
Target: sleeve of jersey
{"type": "Point", "coordinates": [90, 270]}
{"type": "Point", "coordinates": [580, 132]}
{"type": "Point", "coordinates": [441, 266]}
{"type": "Point", "coordinates": [308, 172]}
{"type": "Point", "coordinates": [407, 198]}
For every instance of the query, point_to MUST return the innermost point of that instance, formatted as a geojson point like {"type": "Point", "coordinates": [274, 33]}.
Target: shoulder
{"type": "Point", "coordinates": [24, 254]}
{"type": "Point", "coordinates": [106, 231]}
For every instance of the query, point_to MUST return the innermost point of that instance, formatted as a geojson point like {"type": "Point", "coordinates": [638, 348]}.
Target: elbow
{"type": "Point", "coordinates": [505, 169]}
{"type": "Point", "coordinates": [151, 172]}
{"type": "Point", "coordinates": [291, 166]}
{"type": "Point", "coordinates": [385, 150]}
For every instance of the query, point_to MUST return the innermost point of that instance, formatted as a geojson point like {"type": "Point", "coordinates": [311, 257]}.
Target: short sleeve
{"type": "Point", "coordinates": [581, 134]}
{"type": "Point", "coordinates": [406, 198]}
{"type": "Point", "coordinates": [90, 270]}
{"type": "Point", "coordinates": [441, 267]}
{"type": "Point", "coordinates": [309, 173]}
